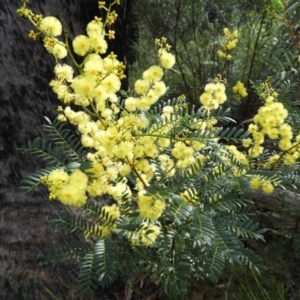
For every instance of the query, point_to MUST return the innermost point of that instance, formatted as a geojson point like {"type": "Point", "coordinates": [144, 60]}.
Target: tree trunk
{"type": "Point", "coordinates": [25, 227]}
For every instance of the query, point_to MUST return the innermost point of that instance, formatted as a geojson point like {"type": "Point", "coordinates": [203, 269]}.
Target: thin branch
{"type": "Point", "coordinates": [289, 25]}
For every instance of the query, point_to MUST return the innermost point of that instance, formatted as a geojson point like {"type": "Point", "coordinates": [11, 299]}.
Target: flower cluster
{"type": "Point", "coordinates": [270, 122]}
{"type": "Point", "coordinates": [266, 185]}
{"type": "Point", "coordinates": [167, 59]}
{"type": "Point", "coordinates": [213, 96]}
{"type": "Point", "coordinates": [51, 27]}
{"type": "Point", "coordinates": [68, 189]}
{"type": "Point", "coordinates": [231, 42]}
{"type": "Point", "coordinates": [150, 206]}
{"type": "Point", "coordinates": [146, 235]}
{"type": "Point", "coordinates": [239, 90]}
{"type": "Point", "coordinates": [115, 135]}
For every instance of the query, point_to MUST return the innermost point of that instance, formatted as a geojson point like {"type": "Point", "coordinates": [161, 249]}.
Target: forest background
{"type": "Point", "coordinates": [268, 47]}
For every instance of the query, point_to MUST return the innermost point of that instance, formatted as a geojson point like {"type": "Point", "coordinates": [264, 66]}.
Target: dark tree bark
{"type": "Point", "coordinates": [25, 97]}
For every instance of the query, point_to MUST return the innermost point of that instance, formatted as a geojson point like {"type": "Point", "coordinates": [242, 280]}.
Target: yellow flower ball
{"type": "Point", "coordinates": [79, 179]}
{"type": "Point", "coordinates": [247, 142]}
{"type": "Point", "coordinates": [64, 72]}
{"type": "Point", "coordinates": [179, 150]}
{"type": "Point", "coordinates": [94, 28]}
{"type": "Point", "coordinates": [71, 194]}
{"type": "Point", "coordinates": [58, 178]}
{"type": "Point", "coordinates": [98, 44]}
{"type": "Point", "coordinates": [255, 183]}
{"type": "Point", "coordinates": [96, 170]}
{"type": "Point", "coordinates": [154, 73]}
{"type": "Point", "coordinates": [144, 102]}
{"type": "Point", "coordinates": [150, 207]}
{"type": "Point", "coordinates": [112, 210]}
{"type": "Point", "coordinates": [51, 26]}
{"type": "Point", "coordinates": [168, 109]}
{"type": "Point", "coordinates": [285, 131]}
{"type": "Point", "coordinates": [209, 88]}
{"type": "Point", "coordinates": [141, 86]}
{"type": "Point", "coordinates": [149, 233]}
{"type": "Point", "coordinates": [220, 97]}
{"type": "Point", "coordinates": [284, 144]}
{"type": "Point", "coordinates": [81, 45]}
{"type": "Point", "coordinates": [83, 86]}
{"type": "Point", "coordinates": [205, 98]}
{"type": "Point", "coordinates": [273, 133]}
{"type": "Point", "coordinates": [289, 159]}
{"type": "Point", "coordinates": [94, 67]}
{"type": "Point", "coordinates": [220, 87]}
{"type": "Point", "coordinates": [159, 88]}
{"type": "Point", "coordinates": [167, 59]}
{"type": "Point", "coordinates": [221, 54]}
{"type": "Point", "coordinates": [123, 150]}
{"type": "Point", "coordinates": [258, 138]}
{"type": "Point", "coordinates": [125, 170]}
{"type": "Point", "coordinates": [255, 151]}
{"type": "Point", "coordinates": [164, 143]}
{"type": "Point", "coordinates": [111, 84]}
{"type": "Point", "coordinates": [59, 51]}
{"type": "Point", "coordinates": [267, 187]}
{"type": "Point", "coordinates": [252, 128]}
{"type": "Point", "coordinates": [131, 104]}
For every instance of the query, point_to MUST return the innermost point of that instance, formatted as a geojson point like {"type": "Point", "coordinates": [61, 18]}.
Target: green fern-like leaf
{"type": "Point", "coordinates": [213, 264]}
{"type": "Point", "coordinates": [177, 280]}
{"type": "Point", "coordinates": [45, 151]}
{"type": "Point", "coordinates": [245, 228]}
{"type": "Point", "coordinates": [158, 109]}
{"type": "Point", "coordinates": [226, 241]}
{"type": "Point", "coordinates": [78, 224]}
{"type": "Point", "coordinates": [202, 229]}
{"type": "Point", "coordinates": [73, 251]}
{"type": "Point", "coordinates": [87, 276]}
{"type": "Point", "coordinates": [249, 258]}
{"type": "Point", "coordinates": [32, 182]}
{"type": "Point", "coordinates": [233, 132]}
{"type": "Point", "coordinates": [105, 261]}
{"type": "Point", "coordinates": [67, 141]}
{"type": "Point", "coordinates": [127, 226]}
{"type": "Point", "coordinates": [287, 88]}
{"type": "Point", "coordinates": [179, 210]}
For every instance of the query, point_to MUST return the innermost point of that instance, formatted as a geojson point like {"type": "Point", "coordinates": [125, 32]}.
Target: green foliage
{"type": "Point", "coordinates": [42, 150]}
{"type": "Point", "coordinates": [32, 182]}
{"type": "Point", "coordinates": [65, 140]}
{"type": "Point", "coordinates": [98, 267]}
{"type": "Point", "coordinates": [64, 150]}
{"type": "Point", "coordinates": [196, 241]}
{"type": "Point", "coordinates": [58, 254]}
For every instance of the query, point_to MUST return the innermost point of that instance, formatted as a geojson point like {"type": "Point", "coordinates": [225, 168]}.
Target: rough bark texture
{"type": "Point", "coordinates": [279, 210]}
{"type": "Point", "coordinates": [25, 229]}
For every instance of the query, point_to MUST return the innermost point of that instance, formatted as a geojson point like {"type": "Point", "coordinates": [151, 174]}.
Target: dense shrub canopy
{"type": "Point", "coordinates": [175, 168]}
